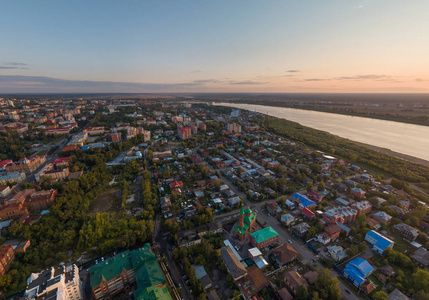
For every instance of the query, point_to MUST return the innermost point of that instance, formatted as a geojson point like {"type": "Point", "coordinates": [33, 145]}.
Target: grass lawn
{"type": "Point", "coordinates": [400, 244]}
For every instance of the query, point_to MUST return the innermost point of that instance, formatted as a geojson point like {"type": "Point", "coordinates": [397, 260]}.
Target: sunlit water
{"type": "Point", "coordinates": [404, 138]}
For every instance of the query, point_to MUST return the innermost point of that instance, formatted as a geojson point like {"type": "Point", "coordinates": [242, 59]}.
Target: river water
{"type": "Point", "coordinates": [404, 138]}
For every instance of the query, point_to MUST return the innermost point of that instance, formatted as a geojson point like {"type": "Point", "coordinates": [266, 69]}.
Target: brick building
{"type": "Point", "coordinates": [264, 238]}
{"type": "Point", "coordinates": [7, 255]}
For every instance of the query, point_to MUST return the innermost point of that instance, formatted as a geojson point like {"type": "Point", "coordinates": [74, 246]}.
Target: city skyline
{"type": "Point", "coordinates": [241, 46]}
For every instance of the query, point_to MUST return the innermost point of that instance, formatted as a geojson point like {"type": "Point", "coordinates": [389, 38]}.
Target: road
{"type": "Point", "coordinates": [262, 216]}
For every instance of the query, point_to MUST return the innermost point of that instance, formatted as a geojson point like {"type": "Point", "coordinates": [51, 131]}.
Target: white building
{"type": "Point", "coordinates": [61, 283]}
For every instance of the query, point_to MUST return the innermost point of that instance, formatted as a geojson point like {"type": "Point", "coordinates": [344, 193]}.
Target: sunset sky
{"type": "Point", "coordinates": [214, 46]}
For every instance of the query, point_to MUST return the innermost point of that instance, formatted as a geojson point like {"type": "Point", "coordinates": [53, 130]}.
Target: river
{"type": "Point", "coordinates": [409, 139]}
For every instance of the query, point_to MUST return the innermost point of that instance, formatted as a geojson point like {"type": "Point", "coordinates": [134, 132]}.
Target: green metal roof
{"type": "Point", "coordinates": [149, 277]}
{"type": "Point", "coordinates": [264, 234]}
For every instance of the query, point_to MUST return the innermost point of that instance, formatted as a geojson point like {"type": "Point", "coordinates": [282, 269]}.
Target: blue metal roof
{"type": "Point", "coordinates": [361, 265]}
{"type": "Point", "coordinates": [305, 202]}
{"type": "Point", "coordinates": [382, 241]}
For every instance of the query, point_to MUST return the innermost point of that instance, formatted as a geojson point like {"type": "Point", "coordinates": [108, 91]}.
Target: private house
{"type": "Point", "coordinates": [358, 193]}
{"type": "Point", "coordinates": [406, 231]}
{"type": "Point", "coordinates": [254, 282]}
{"type": "Point", "coordinates": [378, 241]}
{"type": "Point", "coordinates": [357, 270]}
{"type": "Point", "coordinates": [273, 208]}
{"type": "Point", "coordinates": [293, 280]}
{"type": "Point", "coordinates": [362, 207]}
{"type": "Point", "coordinates": [336, 252]}
{"type": "Point", "coordinates": [333, 231]}
{"type": "Point", "coordinates": [264, 238]}
{"type": "Point", "coordinates": [303, 201]}
{"type": "Point", "coordinates": [287, 219]}
{"type": "Point", "coordinates": [301, 229]}
{"type": "Point", "coordinates": [341, 214]}
{"type": "Point", "coordinates": [233, 265]}
{"type": "Point", "coordinates": [316, 197]}
{"type": "Point", "coordinates": [421, 257]}
{"type": "Point", "coordinates": [284, 254]}
{"type": "Point", "coordinates": [381, 216]}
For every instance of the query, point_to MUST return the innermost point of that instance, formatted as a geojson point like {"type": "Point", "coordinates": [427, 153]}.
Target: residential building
{"type": "Point", "coordinates": [287, 219]}
{"type": "Point", "coordinates": [336, 252]}
{"type": "Point", "coordinates": [284, 294]}
{"type": "Point", "coordinates": [122, 271]}
{"type": "Point", "coordinates": [303, 201]}
{"type": "Point", "coordinates": [233, 265]}
{"type": "Point", "coordinates": [264, 238]}
{"type": "Point", "coordinates": [12, 211]}
{"type": "Point", "coordinates": [381, 216]}
{"type": "Point", "coordinates": [357, 270]}
{"type": "Point", "coordinates": [7, 255]}
{"type": "Point", "coordinates": [397, 295]}
{"type": "Point", "coordinates": [25, 165]}
{"type": "Point", "coordinates": [245, 224]}
{"type": "Point", "coordinates": [284, 254]}
{"type": "Point", "coordinates": [333, 231]}
{"type": "Point", "coordinates": [61, 283]}
{"type": "Point", "coordinates": [4, 191]}
{"type": "Point", "coordinates": [184, 132]}
{"type": "Point", "coordinates": [293, 280]}
{"type": "Point", "coordinates": [406, 231]}
{"type": "Point", "coordinates": [273, 208]}
{"type": "Point", "coordinates": [378, 241]}
{"type": "Point", "coordinates": [254, 282]}
{"type": "Point", "coordinates": [235, 113]}
{"type": "Point", "coordinates": [362, 207]}
{"type": "Point", "coordinates": [315, 196]}
{"type": "Point", "coordinates": [301, 229]}
{"type": "Point", "coordinates": [233, 127]}
{"type": "Point", "coordinates": [41, 200]}
{"type": "Point", "coordinates": [342, 214]}
{"type": "Point", "coordinates": [358, 193]}
{"type": "Point", "coordinates": [421, 257]}
{"type": "Point", "coordinates": [12, 178]}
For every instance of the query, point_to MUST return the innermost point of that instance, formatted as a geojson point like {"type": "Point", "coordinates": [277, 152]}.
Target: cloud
{"type": "Point", "coordinates": [293, 71]}
{"type": "Point", "coordinates": [11, 68]}
{"type": "Point", "coordinates": [14, 64]}
{"type": "Point", "coordinates": [420, 79]}
{"type": "Point", "coordinates": [275, 76]}
{"type": "Point", "coordinates": [195, 71]}
{"type": "Point", "coordinates": [316, 79]}
{"type": "Point", "coordinates": [29, 84]}
{"type": "Point", "coordinates": [247, 82]}
{"type": "Point", "coordinates": [202, 81]}
{"type": "Point", "coordinates": [387, 78]}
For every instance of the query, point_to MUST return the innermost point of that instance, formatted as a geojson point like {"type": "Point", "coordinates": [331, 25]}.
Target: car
{"type": "Point", "coordinates": [348, 291]}
{"type": "Point", "coordinates": [290, 242]}
{"type": "Point", "coordinates": [180, 286]}
{"type": "Point", "coordinates": [236, 248]}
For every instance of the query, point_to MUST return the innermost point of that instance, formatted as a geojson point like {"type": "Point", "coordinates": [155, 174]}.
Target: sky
{"type": "Point", "coordinates": [272, 46]}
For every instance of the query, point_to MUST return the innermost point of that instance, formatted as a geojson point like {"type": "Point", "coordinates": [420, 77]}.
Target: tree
{"type": "Point", "coordinates": [327, 286]}
{"type": "Point", "coordinates": [309, 186]}
{"type": "Point", "coordinates": [302, 293]}
{"type": "Point", "coordinates": [421, 280]}
{"type": "Point", "coordinates": [380, 295]}
{"type": "Point", "coordinates": [321, 186]}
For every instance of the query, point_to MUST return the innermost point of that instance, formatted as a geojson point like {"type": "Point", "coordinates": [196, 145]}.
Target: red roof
{"type": "Point", "coordinates": [61, 160]}
{"type": "Point", "coordinates": [308, 213]}
{"type": "Point", "coordinates": [69, 148]}
{"type": "Point", "coordinates": [5, 162]}
{"type": "Point", "coordinates": [176, 184]}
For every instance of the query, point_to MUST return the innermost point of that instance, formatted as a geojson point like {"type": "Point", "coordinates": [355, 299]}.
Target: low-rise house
{"type": "Point", "coordinates": [397, 295]}
{"type": "Point", "coordinates": [254, 282]}
{"type": "Point", "coordinates": [421, 257]}
{"type": "Point", "coordinates": [301, 229]}
{"type": "Point", "coordinates": [273, 208]}
{"type": "Point", "coordinates": [362, 207]}
{"type": "Point", "coordinates": [406, 231]}
{"type": "Point", "coordinates": [303, 201]}
{"type": "Point", "coordinates": [284, 294]}
{"type": "Point", "coordinates": [311, 277]}
{"type": "Point", "coordinates": [4, 191]}
{"type": "Point", "coordinates": [342, 214]}
{"type": "Point", "coordinates": [337, 252]}
{"type": "Point", "coordinates": [333, 231]}
{"type": "Point", "coordinates": [316, 197]}
{"type": "Point", "coordinates": [308, 214]}
{"type": "Point", "coordinates": [381, 216]}
{"type": "Point", "coordinates": [358, 193]}
{"type": "Point", "coordinates": [287, 219]}
{"type": "Point", "coordinates": [233, 265]}
{"type": "Point", "coordinates": [378, 241]}
{"type": "Point", "coordinates": [388, 270]}
{"type": "Point", "coordinates": [165, 204]}
{"type": "Point", "coordinates": [357, 270]}
{"type": "Point", "coordinates": [293, 280]}
{"type": "Point", "coordinates": [201, 274]}
{"type": "Point", "coordinates": [284, 254]}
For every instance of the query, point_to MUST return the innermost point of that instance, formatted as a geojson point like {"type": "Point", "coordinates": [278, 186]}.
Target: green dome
{"type": "Point", "coordinates": [248, 211]}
